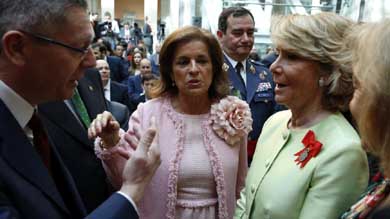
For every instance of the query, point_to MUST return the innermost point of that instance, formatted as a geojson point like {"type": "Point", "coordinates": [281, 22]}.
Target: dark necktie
{"type": "Point", "coordinates": [40, 140]}
{"type": "Point", "coordinates": [238, 71]}
{"type": "Point", "coordinates": [42, 145]}
{"type": "Point", "coordinates": [81, 109]}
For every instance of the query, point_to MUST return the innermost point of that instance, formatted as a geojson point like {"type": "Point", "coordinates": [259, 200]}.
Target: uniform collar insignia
{"type": "Point", "coordinates": [252, 69]}
{"type": "Point", "coordinates": [225, 67]}
{"type": "Point", "coordinates": [90, 88]}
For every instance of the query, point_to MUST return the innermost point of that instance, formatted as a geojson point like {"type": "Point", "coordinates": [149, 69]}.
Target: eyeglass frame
{"type": "Point", "coordinates": [55, 42]}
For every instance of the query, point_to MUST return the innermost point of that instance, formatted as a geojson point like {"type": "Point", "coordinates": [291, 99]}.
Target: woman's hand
{"type": "Point", "coordinates": [107, 128]}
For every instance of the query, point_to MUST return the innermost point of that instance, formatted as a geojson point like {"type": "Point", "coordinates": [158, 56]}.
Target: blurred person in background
{"type": "Point", "coordinates": [148, 37]}
{"type": "Point", "coordinates": [154, 59]}
{"type": "Point", "coordinates": [149, 82]}
{"type": "Point", "coordinates": [135, 90]}
{"type": "Point", "coordinates": [117, 67]}
{"type": "Point", "coordinates": [135, 65]}
{"type": "Point", "coordinates": [113, 91]}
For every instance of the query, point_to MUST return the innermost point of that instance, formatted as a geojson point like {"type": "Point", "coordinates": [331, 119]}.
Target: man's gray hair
{"type": "Point", "coordinates": [35, 15]}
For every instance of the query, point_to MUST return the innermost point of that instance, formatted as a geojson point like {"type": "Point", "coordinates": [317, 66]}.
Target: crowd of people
{"type": "Point", "coordinates": [199, 129]}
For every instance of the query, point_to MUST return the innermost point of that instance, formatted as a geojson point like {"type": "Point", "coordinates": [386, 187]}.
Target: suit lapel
{"type": "Point", "coordinates": [234, 78]}
{"type": "Point", "coordinates": [138, 83]}
{"type": "Point", "coordinates": [59, 113]}
{"type": "Point", "coordinates": [115, 91]}
{"type": "Point", "coordinates": [16, 149]}
{"type": "Point", "coordinates": [92, 97]}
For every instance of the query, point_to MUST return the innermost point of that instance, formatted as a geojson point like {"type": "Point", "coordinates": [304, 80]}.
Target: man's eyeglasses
{"type": "Point", "coordinates": [49, 40]}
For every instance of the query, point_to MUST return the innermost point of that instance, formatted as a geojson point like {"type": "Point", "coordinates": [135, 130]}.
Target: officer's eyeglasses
{"type": "Point", "coordinates": [83, 51]}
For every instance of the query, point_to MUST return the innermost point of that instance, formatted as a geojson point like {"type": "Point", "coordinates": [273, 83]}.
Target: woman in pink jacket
{"type": "Point", "coordinates": [201, 132]}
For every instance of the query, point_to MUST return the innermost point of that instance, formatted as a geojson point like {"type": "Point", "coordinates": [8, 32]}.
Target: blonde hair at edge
{"type": "Point", "coordinates": [319, 38]}
{"type": "Point", "coordinates": [370, 44]}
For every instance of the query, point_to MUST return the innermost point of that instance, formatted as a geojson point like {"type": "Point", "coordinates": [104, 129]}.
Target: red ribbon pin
{"type": "Point", "coordinates": [311, 149]}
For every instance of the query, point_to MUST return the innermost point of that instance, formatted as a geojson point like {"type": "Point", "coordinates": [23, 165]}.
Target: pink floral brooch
{"type": "Point", "coordinates": [311, 149]}
{"type": "Point", "coordinates": [231, 119]}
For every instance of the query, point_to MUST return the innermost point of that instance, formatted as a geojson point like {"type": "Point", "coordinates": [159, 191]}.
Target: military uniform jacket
{"type": "Point", "coordinates": [258, 93]}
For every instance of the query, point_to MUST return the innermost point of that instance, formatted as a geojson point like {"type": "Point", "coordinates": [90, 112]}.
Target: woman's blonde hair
{"type": "Point", "coordinates": [320, 38]}
{"type": "Point", "coordinates": [370, 44]}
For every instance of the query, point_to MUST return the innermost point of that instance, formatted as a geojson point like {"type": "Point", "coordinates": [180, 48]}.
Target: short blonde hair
{"type": "Point", "coordinates": [370, 45]}
{"type": "Point", "coordinates": [320, 38]}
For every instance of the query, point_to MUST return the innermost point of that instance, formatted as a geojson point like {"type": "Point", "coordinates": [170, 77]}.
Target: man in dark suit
{"type": "Point", "coordinates": [113, 91]}
{"type": "Point", "coordinates": [119, 69]}
{"type": "Point", "coordinates": [135, 91]}
{"type": "Point", "coordinates": [40, 62]}
{"type": "Point", "coordinates": [250, 80]}
{"type": "Point", "coordinates": [154, 60]}
{"type": "Point", "coordinates": [120, 52]}
{"type": "Point", "coordinates": [70, 136]}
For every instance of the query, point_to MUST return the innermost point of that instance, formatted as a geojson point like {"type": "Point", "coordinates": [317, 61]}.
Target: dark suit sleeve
{"type": "Point", "coordinates": [119, 94]}
{"type": "Point", "coordinates": [124, 71]}
{"type": "Point", "coordinates": [126, 100]}
{"type": "Point", "coordinates": [7, 210]}
{"type": "Point", "coordinates": [118, 70]}
{"type": "Point", "coordinates": [120, 112]}
{"type": "Point", "coordinates": [383, 213]}
{"type": "Point", "coordinates": [117, 206]}
{"type": "Point", "coordinates": [134, 93]}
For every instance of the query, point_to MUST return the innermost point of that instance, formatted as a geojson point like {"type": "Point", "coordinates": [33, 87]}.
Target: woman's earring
{"type": "Point", "coordinates": [321, 82]}
{"type": "Point", "coordinates": [173, 83]}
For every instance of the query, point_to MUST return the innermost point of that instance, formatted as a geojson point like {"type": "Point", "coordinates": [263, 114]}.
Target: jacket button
{"type": "Point", "coordinates": [285, 135]}
{"type": "Point", "coordinates": [266, 214]}
{"type": "Point", "coordinates": [253, 189]}
{"type": "Point", "coordinates": [267, 162]}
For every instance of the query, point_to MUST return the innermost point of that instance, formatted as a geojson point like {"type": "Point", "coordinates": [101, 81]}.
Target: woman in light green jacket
{"type": "Point", "coordinates": [308, 161]}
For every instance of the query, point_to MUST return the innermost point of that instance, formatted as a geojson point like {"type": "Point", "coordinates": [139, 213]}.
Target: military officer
{"type": "Point", "coordinates": [249, 80]}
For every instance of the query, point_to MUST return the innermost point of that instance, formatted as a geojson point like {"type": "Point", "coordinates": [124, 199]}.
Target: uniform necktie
{"type": "Point", "coordinates": [80, 108]}
{"type": "Point", "coordinates": [40, 139]}
{"type": "Point", "coordinates": [238, 71]}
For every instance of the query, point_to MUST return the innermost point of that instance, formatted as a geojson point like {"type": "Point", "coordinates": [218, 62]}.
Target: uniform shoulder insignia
{"type": "Point", "coordinates": [257, 63]}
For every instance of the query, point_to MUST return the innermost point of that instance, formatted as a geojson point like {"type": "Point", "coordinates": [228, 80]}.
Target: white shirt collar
{"type": "Point", "coordinates": [108, 85]}
{"type": "Point", "coordinates": [19, 107]}
{"type": "Point", "coordinates": [234, 62]}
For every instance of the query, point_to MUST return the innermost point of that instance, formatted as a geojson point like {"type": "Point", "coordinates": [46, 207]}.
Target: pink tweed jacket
{"type": "Point", "coordinates": [229, 163]}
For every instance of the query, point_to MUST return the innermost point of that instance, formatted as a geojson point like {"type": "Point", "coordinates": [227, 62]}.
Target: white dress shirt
{"type": "Point", "coordinates": [107, 90]}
